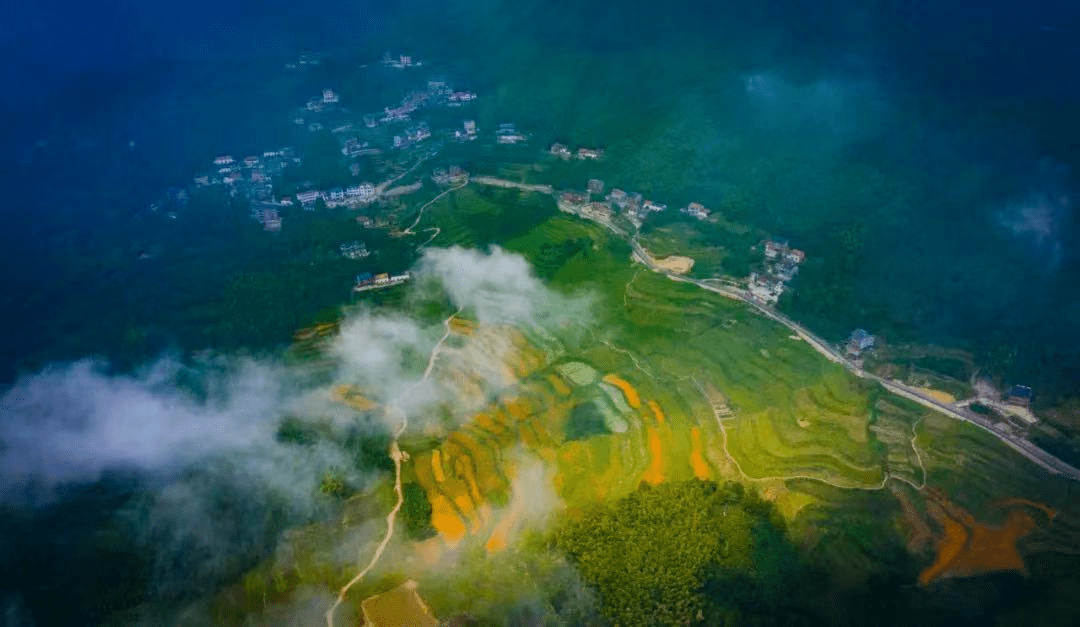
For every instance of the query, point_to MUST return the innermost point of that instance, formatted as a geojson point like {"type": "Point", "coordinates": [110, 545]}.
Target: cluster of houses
{"type": "Point", "coordinates": [350, 196]}
{"type": "Point", "coordinates": [437, 93]}
{"type": "Point", "coordinates": [563, 152]}
{"type": "Point", "coordinates": [251, 177]}
{"type": "Point", "coordinates": [583, 205]}
{"type": "Point", "coordinates": [632, 205]}
{"type": "Point", "coordinates": [367, 281]}
{"type": "Point", "coordinates": [781, 265]}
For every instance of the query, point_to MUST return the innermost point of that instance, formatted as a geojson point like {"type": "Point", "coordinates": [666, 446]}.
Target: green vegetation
{"type": "Point", "coordinates": [651, 554]}
{"type": "Point", "coordinates": [584, 422]}
{"type": "Point", "coordinates": [416, 512]}
{"type": "Point", "coordinates": [717, 247]}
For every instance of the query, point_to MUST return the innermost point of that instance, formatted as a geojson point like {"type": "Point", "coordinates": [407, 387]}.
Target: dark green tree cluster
{"type": "Point", "coordinates": [416, 512]}
{"type": "Point", "coordinates": [684, 553]}
{"type": "Point", "coordinates": [552, 257]}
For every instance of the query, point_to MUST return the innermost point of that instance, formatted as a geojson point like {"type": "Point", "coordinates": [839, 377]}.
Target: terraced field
{"type": "Point", "coordinates": [665, 382]}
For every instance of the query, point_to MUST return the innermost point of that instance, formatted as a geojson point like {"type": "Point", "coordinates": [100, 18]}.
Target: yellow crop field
{"type": "Point", "coordinates": [446, 521]}
{"type": "Point", "coordinates": [697, 460]}
{"type": "Point", "coordinates": [659, 413]}
{"type": "Point", "coordinates": [436, 466]}
{"type": "Point", "coordinates": [518, 408]}
{"type": "Point", "coordinates": [628, 390]}
{"type": "Point", "coordinates": [350, 396]}
{"type": "Point", "coordinates": [558, 384]}
{"type": "Point", "coordinates": [654, 475]}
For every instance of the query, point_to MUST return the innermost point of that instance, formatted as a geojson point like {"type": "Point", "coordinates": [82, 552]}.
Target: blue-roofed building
{"type": "Point", "coordinates": [859, 342]}
{"type": "Point", "coordinates": [1019, 395]}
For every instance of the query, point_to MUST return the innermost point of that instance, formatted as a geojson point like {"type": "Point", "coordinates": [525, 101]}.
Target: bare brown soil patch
{"type": "Point", "coordinates": [968, 547]}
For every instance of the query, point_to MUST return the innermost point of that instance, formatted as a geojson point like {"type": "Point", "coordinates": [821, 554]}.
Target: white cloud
{"type": "Point", "coordinates": [76, 420]}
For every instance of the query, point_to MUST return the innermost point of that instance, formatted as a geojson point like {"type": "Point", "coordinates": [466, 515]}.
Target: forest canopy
{"type": "Point", "coordinates": [693, 552]}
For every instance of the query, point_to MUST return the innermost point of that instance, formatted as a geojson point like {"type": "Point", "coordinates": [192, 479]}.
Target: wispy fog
{"type": "Point", "coordinates": [222, 486]}
{"type": "Point", "coordinates": [835, 109]}
{"type": "Point", "coordinates": [497, 286]}
{"type": "Point", "coordinates": [1041, 218]}
{"type": "Point", "coordinates": [73, 421]}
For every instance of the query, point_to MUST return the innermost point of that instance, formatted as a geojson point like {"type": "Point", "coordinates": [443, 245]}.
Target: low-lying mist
{"type": "Point", "coordinates": [219, 477]}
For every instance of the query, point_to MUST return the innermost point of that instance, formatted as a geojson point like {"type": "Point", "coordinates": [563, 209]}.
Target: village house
{"type": "Point", "coordinates": [202, 181]}
{"type": "Point", "coordinates": [364, 221]}
{"type": "Point", "coordinates": [354, 250]}
{"type": "Point", "coordinates": [458, 98]}
{"type": "Point", "coordinates": [589, 153]}
{"type": "Point", "coordinates": [329, 97]}
{"type": "Point", "coordinates": [598, 211]}
{"type": "Point", "coordinates": [507, 134]}
{"type": "Point", "coordinates": [457, 173]}
{"type": "Point", "coordinates": [618, 198]}
{"type": "Point", "coordinates": [574, 198]}
{"type": "Point", "coordinates": [468, 134]}
{"type": "Point", "coordinates": [510, 139]}
{"type": "Point", "coordinates": [223, 160]}
{"type": "Point", "coordinates": [419, 134]}
{"type": "Point", "coordinates": [398, 114]}
{"type": "Point", "coordinates": [696, 210]}
{"type": "Point", "coordinates": [859, 342]}
{"type": "Point", "coordinates": [353, 147]}
{"type": "Point", "coordinates": [786, 270]}
{"type": "Point", "coordinates": [560, 151]}
{"type": "Point", "coordinates": [271, 220]}
{"type": "Point", "coordinates": [308, 198]}
{"type": "Point", "coordinates": [286, 202]}
{"type": "Point", "coordinates": [765, 289]}
{"type": "Point", "coordinates": [400, 62]}
{"type": "Point", "coordinates": [653, 206]}
{"type": "Point", "coordinates": [595, 186]}
{"type": "Point", "coordinates": [1019, 395]}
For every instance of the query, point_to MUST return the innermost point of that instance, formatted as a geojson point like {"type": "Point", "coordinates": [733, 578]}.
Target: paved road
{"type": "Point", "coordinates": [1024, 447]}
